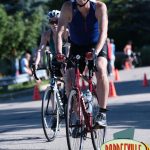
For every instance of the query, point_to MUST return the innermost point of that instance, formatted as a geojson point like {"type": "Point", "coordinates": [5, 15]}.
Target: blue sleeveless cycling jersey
{"type": "Point", "coordinates": [84, 31]}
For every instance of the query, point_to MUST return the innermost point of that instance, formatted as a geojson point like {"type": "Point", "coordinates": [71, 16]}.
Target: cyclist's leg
{"type": "Point", "coordinates": [102, 85]}
{"type": "Point", "coordinates": [70, 72]}
{"type": "Point", "coordinates": [102, 82]}
{"type": "Point", "coordinates": [69, 77]}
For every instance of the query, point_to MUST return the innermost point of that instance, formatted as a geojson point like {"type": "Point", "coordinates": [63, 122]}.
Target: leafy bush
{"type": "Point", "coordinates": [20, 31]}
{"type": "Point", "coordinates": [145, 55]}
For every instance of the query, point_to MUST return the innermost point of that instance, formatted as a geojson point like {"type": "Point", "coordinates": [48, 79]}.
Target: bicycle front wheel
{"type": "Point", "coordinates": [74, 127]}
{"type": "Point", "coordinates": [97, 134]}
{"type": "Point", "coordinates": [50, 114]}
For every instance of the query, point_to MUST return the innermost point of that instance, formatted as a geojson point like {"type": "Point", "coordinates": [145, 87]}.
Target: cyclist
{"type": "Point", "coordinates": [49, 36]}
{"type": "Point", "coordinates": [88, 22]}
{"type": "Point", "coordinates": [128, 52]}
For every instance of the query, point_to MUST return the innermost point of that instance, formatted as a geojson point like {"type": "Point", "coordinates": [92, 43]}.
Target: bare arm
{"type": "Point", "coordinates": [63, 22]}
{"type": "Point", "coordinates": [66, 35]}
{"type": "Point", "coordinates": [101, 14]}
{"type": "Point", "coordinates": [44, 39]}
{"type": "Point", "coordinates": [28, 69]}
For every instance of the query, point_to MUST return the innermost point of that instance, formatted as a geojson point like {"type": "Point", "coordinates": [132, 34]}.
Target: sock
{"type": "Point", "coordinates": [103, 110]}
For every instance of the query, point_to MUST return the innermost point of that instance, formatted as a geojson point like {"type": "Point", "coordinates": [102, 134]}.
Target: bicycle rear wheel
{"type": "Point", "coordinates": [97, 134]}
{"type": "Point", "coordinates": [74, 127]}
{"type": "Point", "coordinates": [50, 114]}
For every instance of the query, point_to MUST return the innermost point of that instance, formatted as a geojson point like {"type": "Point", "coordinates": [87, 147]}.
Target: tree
{"type": "Point", "coordinates": [33, 27]}
{"type": "Point", "coordinates": [3, 23]}
{"type": "Point", "coordinates": [20, 30]}
{"type": "Point", "coordinates": [13, 35]}
{"type": "Point", "coordinates": [129, 20]}
{"type": "Point", "coordinates": [53, 4]}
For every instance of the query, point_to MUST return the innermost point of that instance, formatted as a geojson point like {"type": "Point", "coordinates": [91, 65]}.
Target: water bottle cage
{"type": "Point", "coordinates": [86, 106]}
{"type": "Point", "coordinates": [87, 103]}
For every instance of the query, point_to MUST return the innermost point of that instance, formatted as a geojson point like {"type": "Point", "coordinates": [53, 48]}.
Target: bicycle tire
{"type": "Point", "coordinates": [74, 141]}
{"type": "Point", "coordinates": [98, 134]}
{"type": "Point", "coordinates": [49, 112]}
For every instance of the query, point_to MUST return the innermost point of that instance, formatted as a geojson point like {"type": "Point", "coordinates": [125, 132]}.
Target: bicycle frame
{"type": "Point", "coordinates": [53, 82]}
{"type": "Point", "coordinates": [53, 108]}
{"type": "Point", "coordinates": [80, 100]}
{"type": "Point", "coordinates": [81, 120]}
{"type": "Point", "coordinates": [54, 87]}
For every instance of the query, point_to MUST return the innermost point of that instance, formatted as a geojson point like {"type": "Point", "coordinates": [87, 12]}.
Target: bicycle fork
{"type": "Point", "coordinates": [58, 100]}
{"type": "Point", "coordinates": [87, 116]}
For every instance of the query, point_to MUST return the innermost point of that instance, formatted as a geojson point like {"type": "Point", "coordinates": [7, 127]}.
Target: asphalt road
{"type": "Point", "coordinates": [20, 124]}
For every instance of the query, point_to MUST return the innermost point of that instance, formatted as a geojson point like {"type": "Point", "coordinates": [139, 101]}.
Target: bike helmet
{"type": "Point", "coordinates": [53, 13]}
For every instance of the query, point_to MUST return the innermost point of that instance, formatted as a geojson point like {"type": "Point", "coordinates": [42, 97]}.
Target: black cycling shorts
{"type": "Point", "coordinates": [82, 50]}
{"type": "Point", "coordinates": [56, 68]}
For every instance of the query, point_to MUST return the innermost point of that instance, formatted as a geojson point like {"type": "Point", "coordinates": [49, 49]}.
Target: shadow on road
{"type": "Point", "coordinates": [130, 115]}
{"type": "Point", "coordinates": [19, 119]}
{"type": "Point", "coordinates": [131, 87]}
{"type": "Point", "coordinates": [119, 115]}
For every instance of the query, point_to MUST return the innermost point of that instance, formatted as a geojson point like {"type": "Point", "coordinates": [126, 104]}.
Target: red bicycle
{"type": "Point", "coordinates": [80, 121]}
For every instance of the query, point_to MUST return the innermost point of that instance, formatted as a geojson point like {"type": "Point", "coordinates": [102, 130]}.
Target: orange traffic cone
{"type": "Point", "coordinates": [145, 81]}
{"type": "Point", "coordinates": [112, 90]}
{"type": "Point", "coordinates": [127, 66]}
{"type": "Point", "coordinates": [117, 77]}
{"type": "Point", "coordinates": [36, 93]}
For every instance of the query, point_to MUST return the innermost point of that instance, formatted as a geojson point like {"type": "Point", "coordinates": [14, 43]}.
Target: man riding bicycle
{"type": "Point", "coordinates": [87, 21]}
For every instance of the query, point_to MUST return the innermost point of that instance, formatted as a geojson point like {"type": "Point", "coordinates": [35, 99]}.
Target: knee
{"type": "Point", "coordinates": [101, 70]}
{"type": "Point", "coordinates": [101, 74]}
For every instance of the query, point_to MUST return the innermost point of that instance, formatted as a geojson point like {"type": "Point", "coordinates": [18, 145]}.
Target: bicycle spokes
{"type": "Point", "coordinates": [50, 115]}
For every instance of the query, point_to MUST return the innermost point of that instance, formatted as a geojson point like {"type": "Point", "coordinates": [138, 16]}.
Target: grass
{"type": "Point", "coordinates": [21, 87]}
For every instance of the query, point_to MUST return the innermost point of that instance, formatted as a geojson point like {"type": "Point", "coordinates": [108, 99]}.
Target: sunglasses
{"type": "Point", "coordinates": [53, 22]}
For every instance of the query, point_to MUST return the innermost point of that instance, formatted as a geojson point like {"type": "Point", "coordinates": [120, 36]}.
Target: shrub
{"type": "Point", "coordinates": [145, 55]}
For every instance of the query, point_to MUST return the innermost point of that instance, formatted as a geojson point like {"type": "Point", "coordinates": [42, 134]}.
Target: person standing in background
{"type": "Point", "coordinates": [109, 57]}
{"type": "Point", "coordinates": [128, 50]}
{"type": "Point", "coordinates": [113, 47]}
{"type": "Point", "coordinates": [25, 63]}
